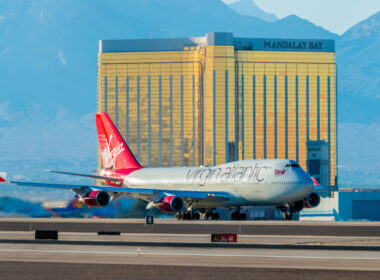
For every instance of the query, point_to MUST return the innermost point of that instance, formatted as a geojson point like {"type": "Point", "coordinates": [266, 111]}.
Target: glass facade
{"type": "Point", "coordinates": [214, 99]}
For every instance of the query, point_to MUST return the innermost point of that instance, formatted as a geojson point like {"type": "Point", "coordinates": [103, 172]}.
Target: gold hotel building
{"type": "Point", "coordinates": [213, 99]}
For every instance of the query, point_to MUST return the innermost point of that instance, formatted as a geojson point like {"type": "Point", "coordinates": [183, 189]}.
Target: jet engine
{"type": "Point", "coordinates": [171, 204]}
{"type": "Point", "coordinates": [297, 206]}
{"type": "Point", "coordinates": [96, 199]}
{"type": "Point", "coordinates": [312, 200]}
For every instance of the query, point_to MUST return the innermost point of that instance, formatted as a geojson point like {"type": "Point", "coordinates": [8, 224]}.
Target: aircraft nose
{"type": "Point", "coordinates": [308, 183]}
{"type": "Point", "coordinates": [301, 189]}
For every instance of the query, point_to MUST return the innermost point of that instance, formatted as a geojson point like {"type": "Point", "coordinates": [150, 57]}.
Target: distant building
{"type": "Point", "coordinates": [359, 204]}
{"type": "Point", "coordinates": [219, 98]}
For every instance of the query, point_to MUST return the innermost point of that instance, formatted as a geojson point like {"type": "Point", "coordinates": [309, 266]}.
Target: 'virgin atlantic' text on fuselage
{"type": "Point", "coordinates": [230, 174]}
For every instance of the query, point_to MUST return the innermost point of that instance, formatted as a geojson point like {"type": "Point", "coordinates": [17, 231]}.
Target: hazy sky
{"type": "Point", "coordinates": [334, 15]}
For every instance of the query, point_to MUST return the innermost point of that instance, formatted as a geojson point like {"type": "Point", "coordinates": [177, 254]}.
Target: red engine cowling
{"type": "Point", "coordinates": [96, 199]}
{"type": "Point", "coordinates": [312, 200]}
{"type": "Point", "coordinates": [171, 204]}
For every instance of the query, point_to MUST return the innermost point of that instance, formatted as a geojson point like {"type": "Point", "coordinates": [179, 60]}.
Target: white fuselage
{"type": "Point", "coordinates": [250, 182]}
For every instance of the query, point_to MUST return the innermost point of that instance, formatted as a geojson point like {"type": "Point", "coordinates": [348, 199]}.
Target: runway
{"type": "Point", "coordinates": [201, 240]}
{"type": "Point", "coordinates": [68, 271]}
{"type": "Point", "coordinates": [234, 257]}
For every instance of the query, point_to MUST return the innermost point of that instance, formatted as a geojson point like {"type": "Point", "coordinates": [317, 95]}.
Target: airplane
{"type": "Point", "coordinates": [191, 192]}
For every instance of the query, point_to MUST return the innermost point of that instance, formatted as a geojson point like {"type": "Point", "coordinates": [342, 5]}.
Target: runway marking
{"type": "Point", "coordinates": [186, 255]}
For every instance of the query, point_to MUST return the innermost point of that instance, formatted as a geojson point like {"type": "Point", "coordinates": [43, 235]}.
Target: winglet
{"type": "Point", "coordinates": [316, 184]}
{"type": "Point", "coordinates": [2, 180]}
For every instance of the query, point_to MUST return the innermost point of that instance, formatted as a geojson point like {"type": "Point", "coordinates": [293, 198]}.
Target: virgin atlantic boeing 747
{"type": "Point", "coordinates": [192, 191]}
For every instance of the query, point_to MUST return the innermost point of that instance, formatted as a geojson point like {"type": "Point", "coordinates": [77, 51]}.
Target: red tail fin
{"type": "Point", "coordinates": [115, 152]}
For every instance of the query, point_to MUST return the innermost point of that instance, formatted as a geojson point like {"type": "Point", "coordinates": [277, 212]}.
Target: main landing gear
{"type": "Point", "coordinates": [237, 215]}
{"type": "Point", "coordinates": [188, 215]}
{"type": "Point", "coordinates": [211, 215]}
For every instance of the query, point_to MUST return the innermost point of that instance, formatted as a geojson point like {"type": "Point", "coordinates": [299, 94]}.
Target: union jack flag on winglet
{"type": "Point", "coordinates": [315, 182]}
{"type": "Point", "coordinates": [317, 185]}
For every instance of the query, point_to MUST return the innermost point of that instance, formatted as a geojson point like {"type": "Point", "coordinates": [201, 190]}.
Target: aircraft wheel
{"type": "Point", "coordinates": [179, 216]}
{"type": "Point", "coordinates": [215, 216]}
{"type": "Point", "coordinates": [196, 216]}
{"type": "Point", "coordinates": [284, 216]}
{"type": "Point", "coordinates": [290, 216]}
{"type": "Point", "coordinates": [287, 215]}
{"type": "Point", "coordinates": [233, 216]}
{"type": "Point", "coordinates": [243, 216]}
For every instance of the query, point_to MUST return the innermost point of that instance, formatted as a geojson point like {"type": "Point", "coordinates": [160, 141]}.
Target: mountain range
{"type": "Point", "coordinates": [50, 48]}
{"type": "Point", "coordinates": [48, 64]}
{"type": "Point", "coordinates": [249, 8]}
{"type": "Point", "coordinates": [358, 60]}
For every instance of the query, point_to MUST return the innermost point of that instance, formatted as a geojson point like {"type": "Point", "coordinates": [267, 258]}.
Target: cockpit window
{"type": "Point", "coordinates": [292, 165]}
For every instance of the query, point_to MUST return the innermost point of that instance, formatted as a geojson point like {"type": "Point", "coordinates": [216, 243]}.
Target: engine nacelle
{"type": "Point", "coordinates": [96, 199]}
{"type": "Point", "coordinates": [312, 200]}
{"type": "Point", "coordinates": [171, 204]}
{"type": "Point", "coordinates": [298, 206]}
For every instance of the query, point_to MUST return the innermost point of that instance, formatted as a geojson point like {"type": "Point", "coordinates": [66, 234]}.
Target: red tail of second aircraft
{"type": "Point", "coordinates": [115, 152]}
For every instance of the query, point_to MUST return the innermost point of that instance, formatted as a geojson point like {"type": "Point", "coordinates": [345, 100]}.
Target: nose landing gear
{"type": "Point", "coordinates": [237, 215]}
{"type": "Point", "coordinates": [287, 213]}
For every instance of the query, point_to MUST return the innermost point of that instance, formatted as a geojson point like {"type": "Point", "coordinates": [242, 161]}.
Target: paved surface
{"type": "Point", "coordinates": [48, 271]}
{"type": "Point", "coordinates": [199, 239]}
{"type": "Point", "coordinates": [216, 257]}
{"type": "Point", "coordinates": [279, 228]}
{"type": "Point", "coordinates": [46, 261]}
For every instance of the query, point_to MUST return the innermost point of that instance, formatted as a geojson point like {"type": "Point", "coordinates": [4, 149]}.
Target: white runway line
{"type": "Point", "coordinates": [187, 254]}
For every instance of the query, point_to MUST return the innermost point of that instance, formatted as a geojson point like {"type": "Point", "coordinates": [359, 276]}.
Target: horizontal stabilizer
{"type": "Point", "coordinates": [111, 179]}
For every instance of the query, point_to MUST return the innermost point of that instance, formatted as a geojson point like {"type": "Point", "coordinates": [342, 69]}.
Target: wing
{"type": "Point", "coordinates": [77, 188]}
{"type": "Point", "coordinates": [145, 194]}
{"type": "Point", "coordinates": [156, 194]}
